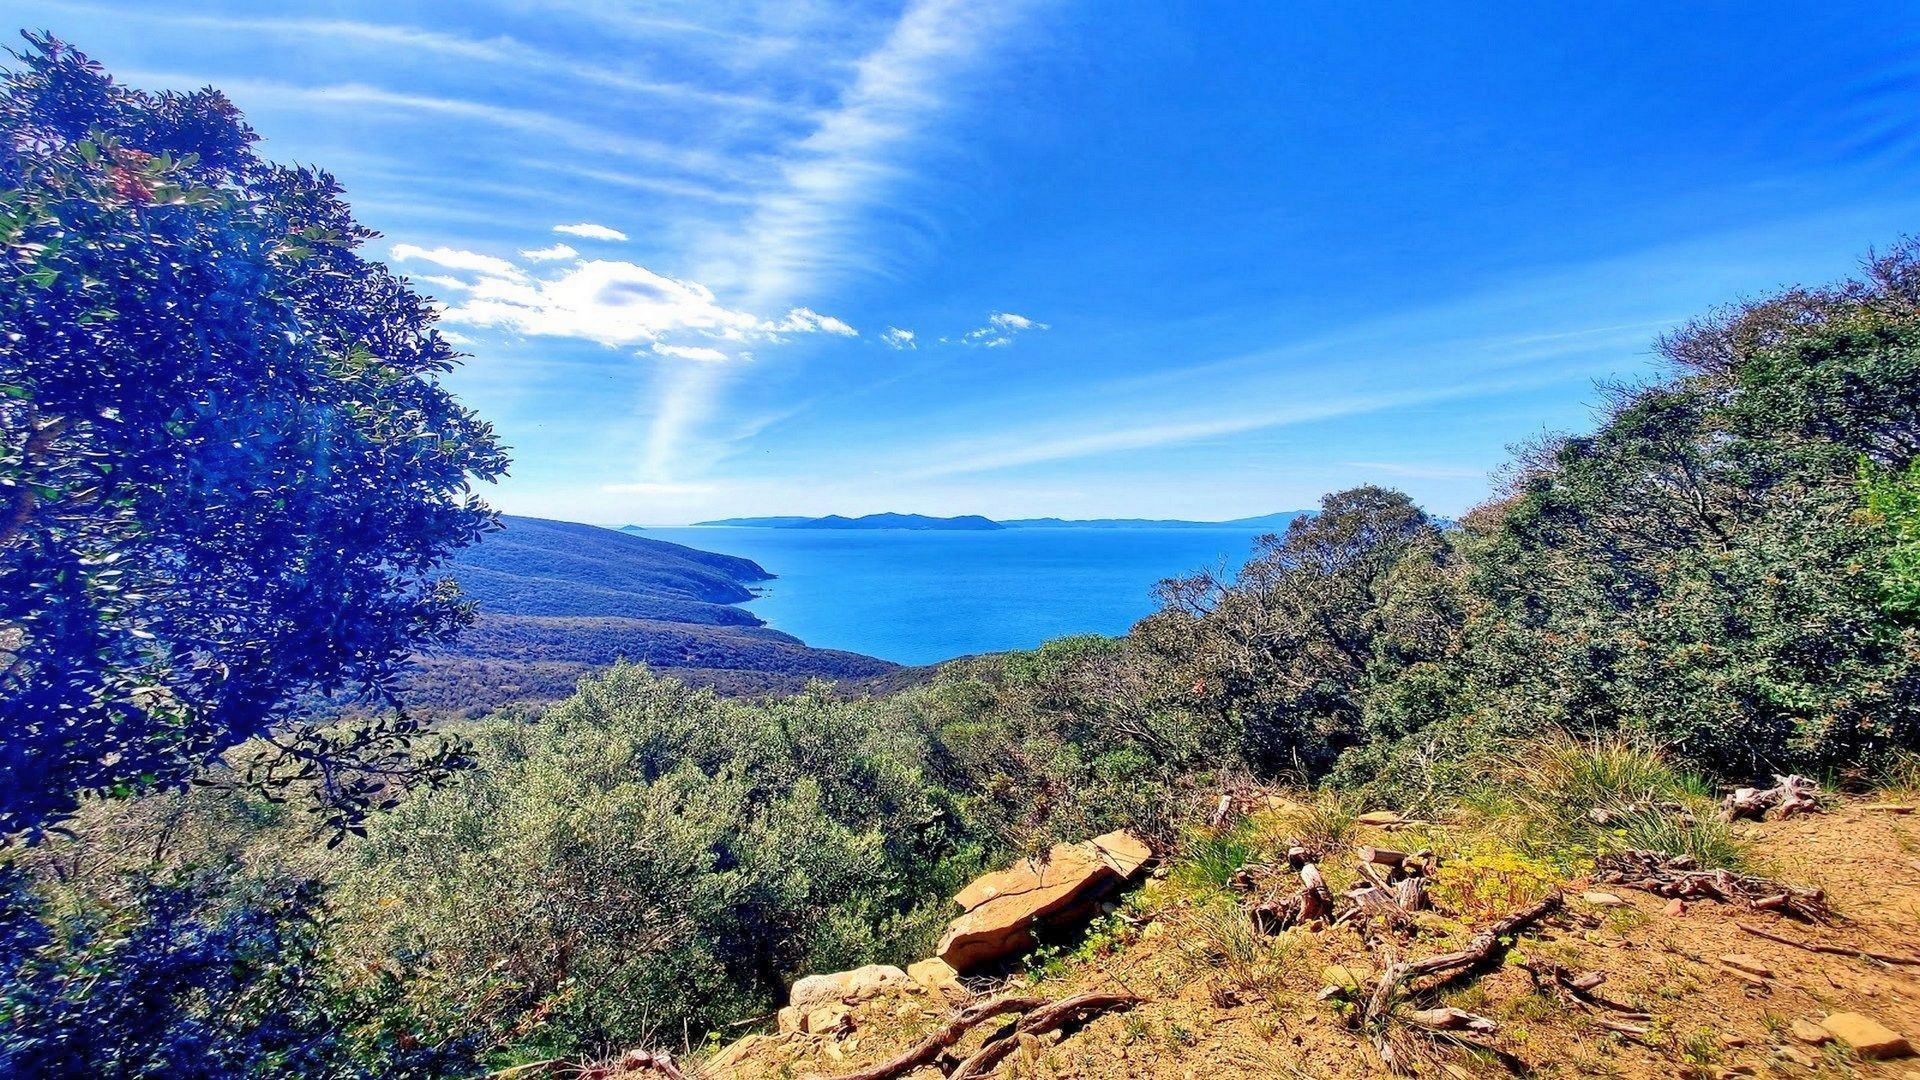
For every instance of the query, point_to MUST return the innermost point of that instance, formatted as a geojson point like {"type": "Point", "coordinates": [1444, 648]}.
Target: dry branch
{"type": "Point", "coordinates": [1478, 949]}
{"type": "Point", "coordinates": [1835, 950]}
{"type": "Point", "coordinates": [1039, 1022]}
{"type": "Point", "coordinates": [1788, 796]}
{"type": "Point", "coordinates": [1679, 876]}
{"type": "Point", "coordinates": [651, 1061]}
{"type": "Point", "coordinates": [1450, 1019]}
{"type": "Point", "coordinates": [924, 1051]}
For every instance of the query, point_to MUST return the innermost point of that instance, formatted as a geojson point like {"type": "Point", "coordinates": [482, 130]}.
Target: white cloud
{"type": "Point", "coordinates": [608, 301]}
{"type": "Point", "coordinates": [456, 259]}
{"type": "Point", "coordinates": [806, 321]}
{"type": "Point", "coordinates": [690, 352]}
{"type": "Point", "coordinates": [549, 254]}
{"type": "Point", "coordinates": [1002, 327]}
{"type": "Point", "coordinates": [807, 228]}
{"type": "Point", "coordinates": [451, 284]}
{"type": "Point", "coordinates": [897, 338]}
{"type": "Point", "coordinates": [590, 231]}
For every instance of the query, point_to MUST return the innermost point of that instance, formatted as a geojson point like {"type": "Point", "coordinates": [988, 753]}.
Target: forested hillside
{"type": "Point", "coordinates": [233, 484]}
{"type": "Point", "coordinates": [556, 600]}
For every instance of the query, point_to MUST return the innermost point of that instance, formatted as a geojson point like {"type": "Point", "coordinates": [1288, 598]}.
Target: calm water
{"type": "Point", "coordinates": [918, 597]}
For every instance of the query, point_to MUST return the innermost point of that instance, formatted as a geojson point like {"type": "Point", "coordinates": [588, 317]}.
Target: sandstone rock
{"type": "Point", "coordinates": [1868, 1037]}
{"type": "Point", "coordinates": [935, 974]}
{"type": "Point", "coordinates": [1798, 1057]}
{"type": "Point", "coordinates": [791, 1020]}
{"type": "Point", "coordinates": [832, 1019]}
{"type": "Point", "coordinates": [856, 985]}
{"type": "Point", "coordinates": [1675, 908]}
{"type": "Point", "coordinates": [1379, 818]}
{"type": "Point", "coordinates": [730, 1055]}
{"type": "Point", "coordinates": [1603, 899]}
{"type": "Point", "coordinates": [1000, 909]}
{"type": "Point", "coordinates": [1750, 965]}
{"type": "Point", "coordinates": [1809, 1032]}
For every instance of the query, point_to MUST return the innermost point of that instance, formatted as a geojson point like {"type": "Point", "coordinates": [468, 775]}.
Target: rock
{"type": "Point", "coordinates": [832, 1019]}
{"type": "Point", "coordinates": [730, 1055]}
{"type": "Point", "coordinates": [1748, 964]}
{"type": "Point", "coordinates": [1675, 908]}
{"type": "Point", "coordinates": [856, 985]}
{"type": "Point", "coordinates": [1603, 899]}
{"type": "Point", "coordinates": [935, 974]}
{"type": "Point", "coordinates": [1346, 976]}
{"type": "Point", "coordinates": [1809, 1032]}
{"type": "Point", "coordinates": [1798, 1057]}
{"type": "Point", "coordinates": [1868, 1037]}
{"type": "Point", "coordinates": [1001, 908]}
{"type": "Point", "coordinates": [1380, 818]}
{"type": "Point", "coordinates": [792, 1020]}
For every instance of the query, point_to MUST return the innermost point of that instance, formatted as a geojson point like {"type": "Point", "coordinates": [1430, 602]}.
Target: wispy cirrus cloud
{"type": "Point", "coordinates": [590, 231]}
{"type": "Point", "coordinates": [806, 228]}
{"type": "Point", "coordinates": [895, 338]}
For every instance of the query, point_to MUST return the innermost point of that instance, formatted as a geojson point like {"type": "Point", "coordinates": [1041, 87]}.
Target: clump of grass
{"type": "Point", "coordinates": [1208, 859]}
{"type": "Point", "coordinates": [1571, 796]}
{"type": "Point", "coordinates": [1222, 939]}
{"type": "Point", "coordinates": [1327, 822]}
{"type": "Point", "coordinates": [1900, 776]}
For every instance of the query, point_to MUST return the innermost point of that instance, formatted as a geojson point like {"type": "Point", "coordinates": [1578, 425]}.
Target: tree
{"type": "Point", "coordinates": [227, 466]}
{"type": "Point", "coordinates": [1294, 648]}
{"type": "Point", "coordinates": [1706, 568]}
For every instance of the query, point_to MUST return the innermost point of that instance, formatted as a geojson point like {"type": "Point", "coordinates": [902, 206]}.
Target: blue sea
{"type": "Point", "coordinates": [918, 597]}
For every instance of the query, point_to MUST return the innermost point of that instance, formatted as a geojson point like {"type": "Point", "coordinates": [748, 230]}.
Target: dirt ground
{"type": "Point", "coordinates": [1215, 1007]}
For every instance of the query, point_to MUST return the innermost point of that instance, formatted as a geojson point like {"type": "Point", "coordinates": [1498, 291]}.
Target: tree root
{"type": "Point", "coordinates": [924, 1051]}
{"type": "Point", "coordinates": [1834, 950]}
{"type": "Point", "coordinates": [1039, 1022]}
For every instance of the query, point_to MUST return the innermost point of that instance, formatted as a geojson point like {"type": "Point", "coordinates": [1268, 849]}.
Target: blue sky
{"type": "Point", "coordinates": [1020, 257]}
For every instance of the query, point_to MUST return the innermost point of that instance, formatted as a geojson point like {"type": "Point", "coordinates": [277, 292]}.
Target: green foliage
{"type": "Point", "coordinates": [648, 853]}
{"type": "Point", "coordinates": [1893, 501]}
{"type": "Point", "coordinates": [228, 466]}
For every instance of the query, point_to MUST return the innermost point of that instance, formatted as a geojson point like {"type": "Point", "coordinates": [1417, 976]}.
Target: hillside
{"type": "Point", "coordinates": [559, 599]}
{"type": "Point", "coordinates": [1609, 980]}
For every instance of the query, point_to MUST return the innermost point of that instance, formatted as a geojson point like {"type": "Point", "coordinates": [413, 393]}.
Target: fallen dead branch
{"type": "Point", "coordinates": [1039, 1022]}
{"type": "Point", "coordinates": [1450, 1019]}
{"type": "Point", "coordinates": [1679, 876]}
{"type": "Point", "coordinates": [1478, 950]}
{"type": "Point", "coordinates": [1313, 901]}
{"type": "Point", "coordinates": [924, 1051]}
{"type": "Point", "coordinates": [1788, 796]}
{"type": "Point", "coordinates": [1579, 989]}
{"type": "Point", "coordinates": [1834, 950]}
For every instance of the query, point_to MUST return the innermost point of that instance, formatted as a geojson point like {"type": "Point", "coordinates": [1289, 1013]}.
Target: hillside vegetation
{"type": "Point", "coordinates": [1720, 582]}
{"type": "Point", "coordinates": [555, 600]}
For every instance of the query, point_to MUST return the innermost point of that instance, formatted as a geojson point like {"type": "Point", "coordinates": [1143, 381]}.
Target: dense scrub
{"type": "Point", "coordinates": [1726, 571]}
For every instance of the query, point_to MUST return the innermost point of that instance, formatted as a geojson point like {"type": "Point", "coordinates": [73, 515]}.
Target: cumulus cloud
{"type": "Point", "coordinates": [590, 231]}
{"type": "Point", "coordinates": [896, 338]}
{"type": "Point", "coordinates": [608, 301]}
{"type": "Point", "coordinates": [1002, 327]}
{"type": "Point", "coordinates": [550, 254]}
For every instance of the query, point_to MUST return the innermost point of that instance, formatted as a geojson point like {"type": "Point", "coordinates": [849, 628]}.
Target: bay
{"type": "Point", "coordinates": [919, 597]}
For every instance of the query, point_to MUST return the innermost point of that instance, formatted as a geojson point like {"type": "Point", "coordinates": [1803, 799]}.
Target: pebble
{"type": "Point", "coordinates": [1675, 908]}
{"type": "Point", "coordinates": [1603, 899]}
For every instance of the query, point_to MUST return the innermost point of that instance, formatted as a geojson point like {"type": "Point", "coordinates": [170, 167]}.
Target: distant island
{"type": "Point", "coordinates": [976, 523]}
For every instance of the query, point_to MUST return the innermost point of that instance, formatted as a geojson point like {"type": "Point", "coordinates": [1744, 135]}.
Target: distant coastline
{"type": "Point", "coordinates": [1276, 522]}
